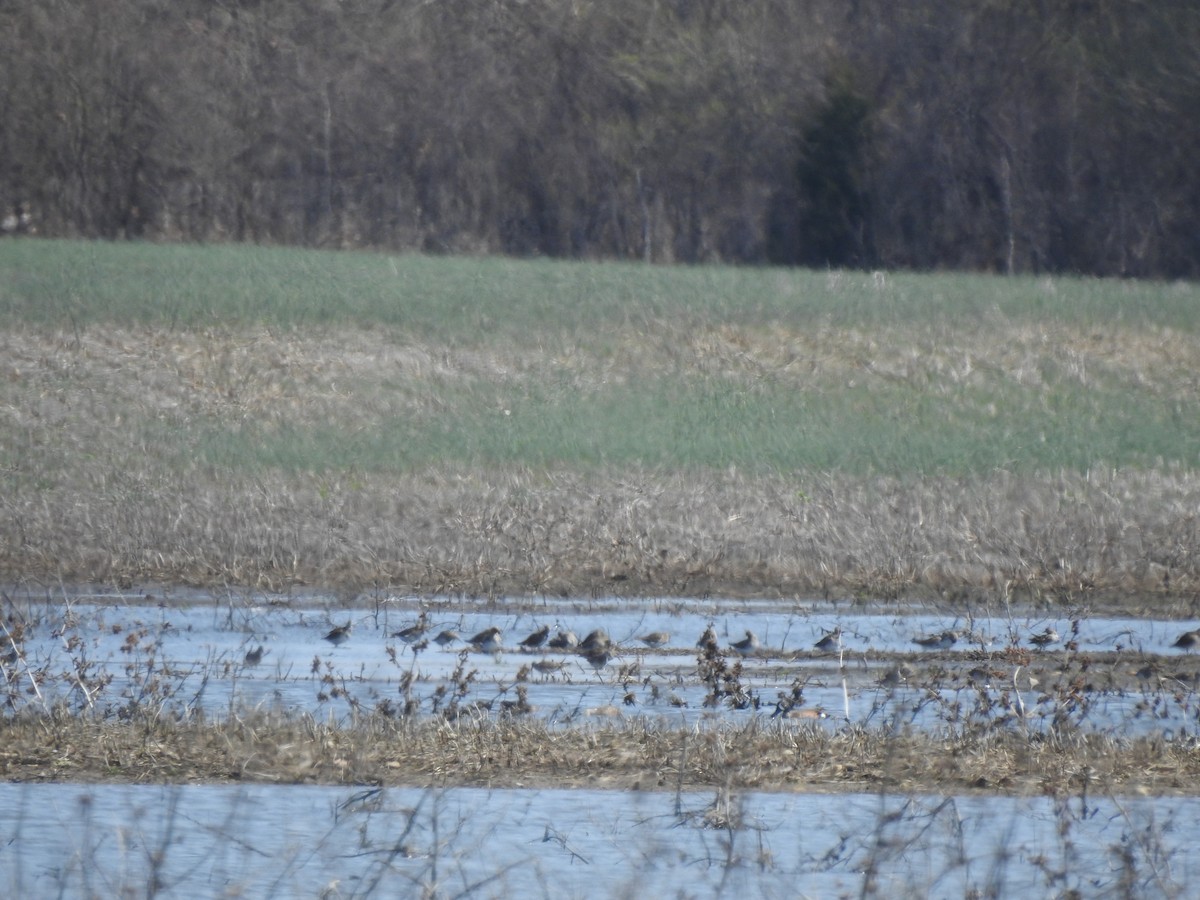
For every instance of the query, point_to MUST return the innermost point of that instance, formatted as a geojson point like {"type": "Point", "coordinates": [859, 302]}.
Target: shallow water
{"type": "Point", "coordinates": [188, 653]}
{"type": "Point", "coordinates": [298, 841]}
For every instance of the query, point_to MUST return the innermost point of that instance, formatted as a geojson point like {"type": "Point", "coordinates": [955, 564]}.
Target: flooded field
{"type": "Point", "coordinates": [1063, 691]}
{"type": "Point", "coordinates": [267, 841]}
{"type": "Point", "coordinates": [688, 661]}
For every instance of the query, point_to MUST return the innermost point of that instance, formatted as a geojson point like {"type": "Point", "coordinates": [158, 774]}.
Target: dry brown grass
{"type": "Point", "coordinates": [636, 754]}
{"type": "Point", "coordinates": [88, 497]}
{"type": "Point", "coordinates": [1123, 537]}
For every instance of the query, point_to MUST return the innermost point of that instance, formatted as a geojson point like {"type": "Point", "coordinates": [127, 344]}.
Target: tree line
{"type": "Point", "coordinates": [996, 135]}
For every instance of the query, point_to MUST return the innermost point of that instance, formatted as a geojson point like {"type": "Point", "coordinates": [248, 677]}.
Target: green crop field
{"type": "Point", "coordinates": [589, 364]}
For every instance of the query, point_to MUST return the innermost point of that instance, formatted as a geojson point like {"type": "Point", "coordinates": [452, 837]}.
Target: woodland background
{"type": "Point", "coordinates": [994, 135]}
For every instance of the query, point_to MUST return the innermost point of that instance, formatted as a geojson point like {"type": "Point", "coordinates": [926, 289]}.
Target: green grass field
{"type": "Point", "coordinates": [471, 300]}
{"type": "Point", "coordinates": [669, 368]}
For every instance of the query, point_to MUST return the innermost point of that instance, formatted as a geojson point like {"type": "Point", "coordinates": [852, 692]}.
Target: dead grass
{"type": "Point", "coordinates": [1105, 536]}
{"type": "Point", "coordinates": [97, 489]}
{"type": "Point", "coordinates": [637, 754]}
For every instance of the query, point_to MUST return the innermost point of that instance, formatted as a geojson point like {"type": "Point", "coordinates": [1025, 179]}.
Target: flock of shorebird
{"type": "Point", "coordinates": [598, 648]}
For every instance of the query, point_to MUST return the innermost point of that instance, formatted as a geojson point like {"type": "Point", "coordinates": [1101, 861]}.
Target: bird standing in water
{"type": "Point", "coordinates": [595, 641]}
{"type": "Point", "coordinates": [536, 639]}
{"type": "Point", "coordinates": [830, 641]}
{"type": "Point", "coordinates": [1045, 638]}
{"type": "Point", "coordinates": [339, 635]}
{"type": "Point", "coordinates": [564, 640]}
{"type": "Point", "coordinates": [943, 641]}
{"type": "Point", "coordinates": [487, 641]}
{"type": "Point", "coordinates": [1187, 640]}
{"type": "Point", "coordinates": [748, 646]}
{"type": "Point", "coordinates": [254, 657]}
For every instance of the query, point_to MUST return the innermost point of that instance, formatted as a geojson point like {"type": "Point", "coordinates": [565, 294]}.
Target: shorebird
{"type": "Point", "coordinates": [942, 641]}
{"type": "Point", "coordinates": [808, 712]}
{"type": "Point", "coordinates": [598, 659]}
{"type": "Point", "coordinates": [895, 677]}
{"type": "Point", "coordinates": [595, 641]}
{"type": "Point", "coordinates": [339, 635]}
{"type": "Point", "coordinates": [564, 640]}
{"type": "Point", "coordinates": [446, 637]}
{"type": "Point", "coordinates": [656, 639]}
{"type": "Point", "coordinates": [708, 639]}
{"type": "Point", "coordinates": [546, 666]}
{"type": "Point", "coordinates": [487, 641]}
{"type": "Point", "coordinates": [536, 639]}
{"type": "Point", "coordinates": [748, 646]}
{"type": "Point", "coordinates": [1045, 638]}
{"type": "Point", "coordinates": [831, 641]}
{"type": "Point", "coordinates": [413, 633]}
{"type": "Point", "coordinates": [254, 657]}
{"type": "Point", "coordinates": [1187, 640]}
{"type": "Point", "coordinates": [1148, 672]}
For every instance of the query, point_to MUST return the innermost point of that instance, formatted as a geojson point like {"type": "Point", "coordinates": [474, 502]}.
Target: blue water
{"type": "Point", "coordinates": [257, 841]}
{"type": "Point", "coordinates": [187, 655]}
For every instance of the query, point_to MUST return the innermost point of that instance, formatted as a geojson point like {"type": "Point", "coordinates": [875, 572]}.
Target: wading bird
{"type": "Point", "coordinates": [1187, 640]}
{"type": "Point", "coordinates": [656, 639]}
{"type": "Point", "coordinates": [598, 659]}
{"type": "Point", "coordinates": [748, 646]}
{"type": "Point", "coordinates": [413, 633]}
{"type": "Point", "coordinates": [595, 641]}
{"type": "Point", "coordinates": [254, 657]}
{"type": "Point", "coordinates": [564, 640]}
{"type": "Point", "coordinates": [536, 639]}
{"type": "Point", "coordinates": [446, 637]}
{"type": "Point", "coordinates": [831, 641]}
{"type": "Point", "coordinates": [339, 635]}
{"type": "Point", "coordinates": [487, 641]}
{"type": "Point", "coordinates": [1044, 638]}
{"type": "Point", "coordinates": [942, 641]}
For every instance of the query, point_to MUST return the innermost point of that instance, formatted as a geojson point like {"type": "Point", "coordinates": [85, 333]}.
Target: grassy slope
{"type": "Point", "coordinates": [193, 381]}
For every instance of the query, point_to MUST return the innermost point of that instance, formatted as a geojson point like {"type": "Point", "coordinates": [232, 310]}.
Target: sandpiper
{"type": "Point", "coordinates": [831, 641]}
{"type": "Point", "coordinates": [1187, 640]}
{"type": "Point", "coordinates": [1044, 638]}
{"type": "Point", "coordinates": [412, 634]}
{"type": "Point", "coordinates": [446, 637]}
{"type": "Point", "coordinates": [536, 639]}
{"type": "Point", "coordinates": [564, 640]}
{"type": "Point", "coordinates": [808, 712]}
{"type": "Point", "coordinates": [598, 659]}
{"type": "Point", "coordinates": [339, 635]}
{"type": "Point", "coordinates": [897, 676]}
{"type": "Point", "coordinates": [546, 666]}
{"type": "Point", "coordinates": [254, 657]}
{"type": "Point", "coordinates": [942, 641]}
{"type": "Point", "coordinates": [656, 639]}
{"type": "Point", "coordinates": [708, 640]}
{"type": "Point", "coordinates": [748, 646]}
{"type": "Point", "coordinates": [1148, 672]}
{"type": "Point", "coordinates": [596, 641]}
{"type": "Point", "coordinates": [487, 641]}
